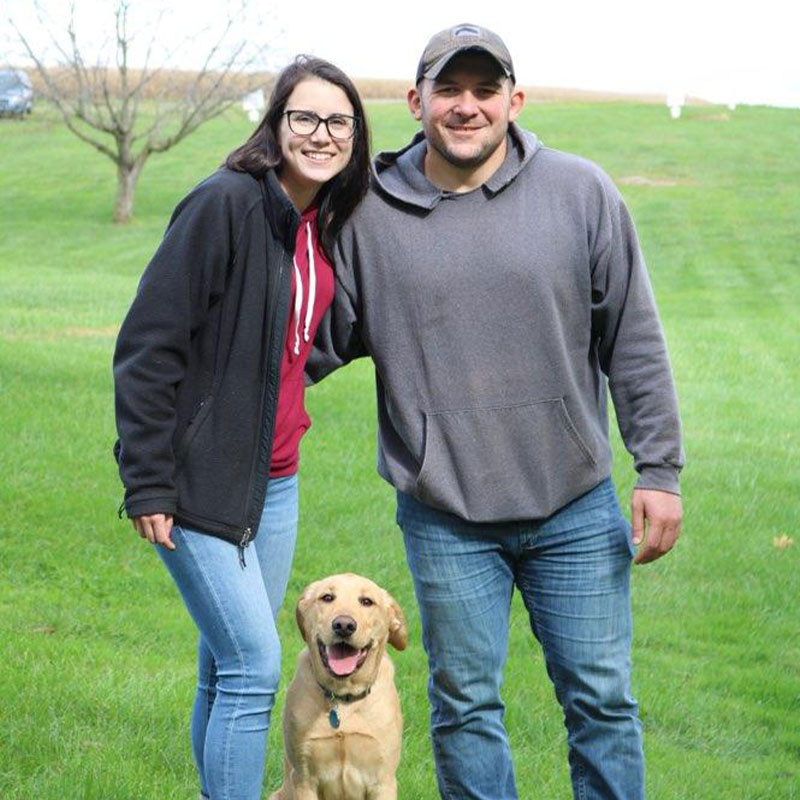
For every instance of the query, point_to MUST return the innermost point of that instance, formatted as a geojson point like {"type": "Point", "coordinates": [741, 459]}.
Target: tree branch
{"type": "Point", "coordinates": [95, 98]}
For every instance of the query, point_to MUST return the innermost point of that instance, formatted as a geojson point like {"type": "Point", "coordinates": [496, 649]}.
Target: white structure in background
{"type": "Point", "coordinates": [254, 104]}
{"type": "Point", "coordinates": [675, 102]}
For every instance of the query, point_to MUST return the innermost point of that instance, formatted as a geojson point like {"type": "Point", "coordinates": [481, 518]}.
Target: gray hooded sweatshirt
{"type": "Point", "coordinates": [497, 321]}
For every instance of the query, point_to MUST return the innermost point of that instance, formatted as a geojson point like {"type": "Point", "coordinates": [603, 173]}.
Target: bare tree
{"type": "Point", "coordinates": [130, 111]}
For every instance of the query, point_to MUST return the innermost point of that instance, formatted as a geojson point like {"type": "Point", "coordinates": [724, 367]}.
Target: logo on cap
{"type": "Point", "coordinates": [466, 30]}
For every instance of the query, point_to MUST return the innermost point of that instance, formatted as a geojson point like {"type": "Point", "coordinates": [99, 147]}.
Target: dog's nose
{"type": "Point", "coordinates": [344, 626]}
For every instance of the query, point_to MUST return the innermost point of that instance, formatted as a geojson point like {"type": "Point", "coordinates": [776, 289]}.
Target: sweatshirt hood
{"type": "Point", "coordinates": [401, 174]}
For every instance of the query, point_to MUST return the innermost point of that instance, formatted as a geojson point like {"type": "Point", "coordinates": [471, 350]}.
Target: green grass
{"type": "Point", "coordinates": [97, 651]}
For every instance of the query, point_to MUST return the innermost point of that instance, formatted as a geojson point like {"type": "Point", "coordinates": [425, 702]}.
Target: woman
{"type": "Point", "coordinates": [209, 395]}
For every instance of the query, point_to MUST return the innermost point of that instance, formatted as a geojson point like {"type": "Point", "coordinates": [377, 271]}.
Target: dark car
{"type": "Point", "coordinates": [16, 93]}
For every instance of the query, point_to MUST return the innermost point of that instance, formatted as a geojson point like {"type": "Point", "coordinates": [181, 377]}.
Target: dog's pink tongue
{"type": "Point", "coordinates": [342, 658]}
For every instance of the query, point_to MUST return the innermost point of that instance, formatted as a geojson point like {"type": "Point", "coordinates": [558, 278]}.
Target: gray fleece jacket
{"type": "Point", "coordinates": [497, 320]}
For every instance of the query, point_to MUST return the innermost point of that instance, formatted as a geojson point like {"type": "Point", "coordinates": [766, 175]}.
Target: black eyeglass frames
{"type": "Point", "coordinates": [305, 123]}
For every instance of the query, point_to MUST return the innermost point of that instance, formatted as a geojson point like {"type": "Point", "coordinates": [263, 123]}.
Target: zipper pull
{"type": "Point", "coordinates": [121, 509]}
{"type": "Point", "coordinates": [245, 541]}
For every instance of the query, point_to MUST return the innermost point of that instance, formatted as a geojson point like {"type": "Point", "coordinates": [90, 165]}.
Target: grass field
{"type": "Point", "coordinates": [97, 652]}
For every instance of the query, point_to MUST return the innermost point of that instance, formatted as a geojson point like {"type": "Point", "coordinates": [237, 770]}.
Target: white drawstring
{"type": "Point", "coordinates": [298, 297]}
{"type": "Point", "coordinates": [312, 284]}
{"type": "Point", "coordinates": [298, 304]}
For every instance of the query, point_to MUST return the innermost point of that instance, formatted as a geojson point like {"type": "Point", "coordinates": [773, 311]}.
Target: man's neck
{"type": "Point", "coordinates": [450, 178]}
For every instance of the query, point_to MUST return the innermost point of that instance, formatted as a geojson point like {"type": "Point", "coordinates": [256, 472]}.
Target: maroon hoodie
{"type": "Point", "coordinates": [312, 294]}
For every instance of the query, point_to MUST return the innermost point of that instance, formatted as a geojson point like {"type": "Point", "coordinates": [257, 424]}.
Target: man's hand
{"type": "Point", "coordinates": [656, 518]}
{"type": "Point", "coordinates": [156, 528]}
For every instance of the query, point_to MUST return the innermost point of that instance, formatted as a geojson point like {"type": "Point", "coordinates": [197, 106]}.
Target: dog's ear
{"type": "Point", "coordinates": [302, 606]}
{"type": "Point", "coordinates": [398, 632]}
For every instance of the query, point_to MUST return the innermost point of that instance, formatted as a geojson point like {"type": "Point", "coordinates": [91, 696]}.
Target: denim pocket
{"type": "Point", "coordinates": [627, 534]}
{"type": "Point", "coordinates": [501, 463]}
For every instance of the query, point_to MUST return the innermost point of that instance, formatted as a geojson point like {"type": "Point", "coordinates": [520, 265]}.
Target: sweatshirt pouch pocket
{"type": "Point", "coordinates": [504, 463]}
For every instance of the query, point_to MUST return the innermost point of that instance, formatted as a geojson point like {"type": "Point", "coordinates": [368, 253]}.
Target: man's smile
{"type": "Point", "coordinates": [464, 129]}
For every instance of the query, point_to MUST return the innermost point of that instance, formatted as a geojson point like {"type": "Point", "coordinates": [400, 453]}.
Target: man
{"type": "Point", "coordinates": [499, 288]}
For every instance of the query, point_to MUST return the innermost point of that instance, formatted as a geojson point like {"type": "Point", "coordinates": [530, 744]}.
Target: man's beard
{"type": "Point", "coordinates": [485, 152]}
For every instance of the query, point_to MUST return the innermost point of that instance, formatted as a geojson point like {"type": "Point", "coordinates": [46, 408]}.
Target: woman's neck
{"type": "Point", "coordinates": [301, 196]}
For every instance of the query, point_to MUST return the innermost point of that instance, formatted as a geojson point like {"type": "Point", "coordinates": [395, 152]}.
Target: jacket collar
{"type": "Point", "coordinates": [281, 214]}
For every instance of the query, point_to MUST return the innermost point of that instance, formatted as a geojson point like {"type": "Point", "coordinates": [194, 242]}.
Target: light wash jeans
{"type": "Point", "coordinates": [573, 571]}
{"type": "Point", "coordinates": [239, 653]}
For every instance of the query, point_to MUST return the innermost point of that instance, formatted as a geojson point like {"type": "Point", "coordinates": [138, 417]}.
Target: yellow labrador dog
{"type": "Point", "coordinates": [342, 725]}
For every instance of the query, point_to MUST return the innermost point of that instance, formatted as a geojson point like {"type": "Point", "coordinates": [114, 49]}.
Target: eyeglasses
{"type": "Point", "coordinates": [305, 123]}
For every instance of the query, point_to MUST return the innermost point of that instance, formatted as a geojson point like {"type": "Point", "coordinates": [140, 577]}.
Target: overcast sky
{"type": "Point", "coordinates": [722, 51]}
{"type": "Point", "coordinates": [746, 51]}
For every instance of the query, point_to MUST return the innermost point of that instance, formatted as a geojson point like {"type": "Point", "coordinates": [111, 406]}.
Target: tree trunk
{"type": "Point", "coordinates": [127, 176]}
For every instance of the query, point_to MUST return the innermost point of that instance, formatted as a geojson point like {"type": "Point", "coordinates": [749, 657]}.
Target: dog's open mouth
{"type": "Point", "coordinates": [341, 659]}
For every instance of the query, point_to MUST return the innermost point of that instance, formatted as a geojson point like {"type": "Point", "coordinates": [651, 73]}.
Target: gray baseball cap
{"type": "Point", "coordinates": [445, 44]}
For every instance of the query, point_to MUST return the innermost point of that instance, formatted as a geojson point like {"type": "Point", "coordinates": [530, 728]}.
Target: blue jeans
{"type": "Point", "coordinates": [239, 653]}
{"type": "Point", "coordinates": [573, 571]}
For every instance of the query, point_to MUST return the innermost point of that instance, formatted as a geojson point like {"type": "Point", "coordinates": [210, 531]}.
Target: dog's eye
{"type": "Point", "coordinates": [365, 601]}
{"type": "Point", "coordinates": [327, 598]}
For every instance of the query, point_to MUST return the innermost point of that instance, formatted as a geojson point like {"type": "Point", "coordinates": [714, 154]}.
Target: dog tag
{"type": "Point", "coordinates": [334, 718]}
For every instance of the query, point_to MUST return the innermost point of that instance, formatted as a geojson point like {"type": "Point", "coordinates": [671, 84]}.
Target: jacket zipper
{"type": "Point", "coordinates": [245, 541]}
{"type": "Point", "coordinates": [248, 531]}
{"type": "Point", "coordinates": [274, 368]}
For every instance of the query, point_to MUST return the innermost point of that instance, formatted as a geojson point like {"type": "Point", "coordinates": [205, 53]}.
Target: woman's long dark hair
{"type": "Point", "coordinates": [339, 196]}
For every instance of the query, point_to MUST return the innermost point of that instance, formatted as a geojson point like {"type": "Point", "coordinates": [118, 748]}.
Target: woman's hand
{"type": "Point", "coordinates": [156, 528]}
